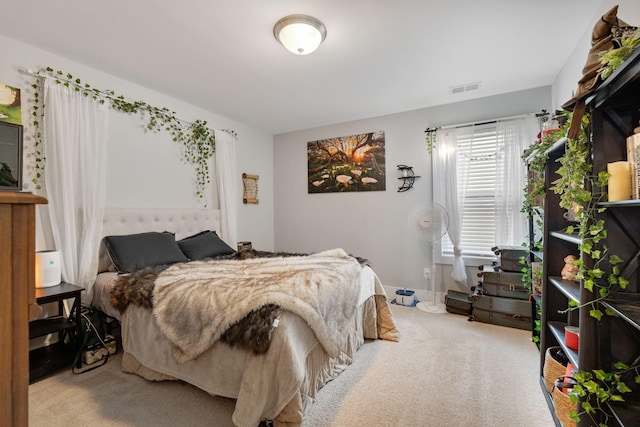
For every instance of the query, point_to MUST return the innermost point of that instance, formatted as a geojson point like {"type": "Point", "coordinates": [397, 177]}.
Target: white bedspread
{"type": "Point", "coordinates": [279, 385]}
{"type": "Point", "coordinates": [263, 385]}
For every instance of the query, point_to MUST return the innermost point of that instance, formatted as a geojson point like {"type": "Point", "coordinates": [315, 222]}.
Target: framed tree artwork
{"type": "Point", "coordinates": [347, 164]}
{"type": "Point", "coordinates": [10, 105]}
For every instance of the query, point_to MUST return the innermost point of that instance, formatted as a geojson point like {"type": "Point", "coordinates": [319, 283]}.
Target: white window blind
{"type": "Point", "coordinates": [479, 148]}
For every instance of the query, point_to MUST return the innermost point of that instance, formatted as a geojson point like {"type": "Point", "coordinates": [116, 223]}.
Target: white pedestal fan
{"type": "Point", "coordinates": [430, 222]}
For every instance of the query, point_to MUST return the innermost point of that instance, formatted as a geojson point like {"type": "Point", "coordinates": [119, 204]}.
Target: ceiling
{"type": "Point", "coordinates": [380, 57]}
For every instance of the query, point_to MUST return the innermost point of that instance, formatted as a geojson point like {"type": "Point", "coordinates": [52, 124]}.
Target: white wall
{"type": "Point", "coordinates": [144, 169]}
{"type": "Point", "coordinates": [374, 225]}
{"type": "Point", "coordinates": [566, 83]}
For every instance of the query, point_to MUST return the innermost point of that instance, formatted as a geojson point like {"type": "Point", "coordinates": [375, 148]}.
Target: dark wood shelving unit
{"type": "Point", "coordinates": [571, 238]}
{"type": "Point", "coordinates": [614, 109]}
{"type": "Point", "coordinates": [50, 325]}
{"type": "Point", "coordinates": [569, 288]}
{"type": "Point", "coordinates": [627, 307]}
{"type": "Point", "coordinates": [48, 359]}
{"type": "Point", "coordinates": [627, 414]}
{"type": "Point", "coordinates": [557, 329]}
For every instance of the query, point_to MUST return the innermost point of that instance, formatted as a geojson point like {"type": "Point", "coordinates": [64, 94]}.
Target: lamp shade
{"type": "Point", "coordinates": [300, 34]}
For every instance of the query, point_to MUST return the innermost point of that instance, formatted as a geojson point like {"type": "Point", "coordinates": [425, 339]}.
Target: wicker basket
{"type": "Point", "coordinates": [563, 406]}
{"type": "Point", "coordinates": [555, 366]}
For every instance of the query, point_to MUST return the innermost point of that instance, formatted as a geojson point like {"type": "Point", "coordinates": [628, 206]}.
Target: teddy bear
{"type": "Point", "coordinates": [570, 270]}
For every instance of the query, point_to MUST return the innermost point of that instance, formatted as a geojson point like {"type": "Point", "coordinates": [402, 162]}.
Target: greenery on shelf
{"type": "Point", "coordinates": [536, 156]}
{"type": "Point", "coordinates": [601, 387]}
{"type": "Point", "coordinates": [580, 191]}
{"type": "Point", "coordinates": [197, 139]}
{"type": "Point", "coordinates": [613, 58]}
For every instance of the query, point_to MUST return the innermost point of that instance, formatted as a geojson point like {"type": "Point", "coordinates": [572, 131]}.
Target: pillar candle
{"type": "Point", "coordinates": [619, 181]}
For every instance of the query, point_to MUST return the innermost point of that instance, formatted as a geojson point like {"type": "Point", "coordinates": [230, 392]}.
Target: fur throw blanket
{"type": "Point", "coordinates": [196, 303]}
{"type": "Point", "coordinates": [253, 332]}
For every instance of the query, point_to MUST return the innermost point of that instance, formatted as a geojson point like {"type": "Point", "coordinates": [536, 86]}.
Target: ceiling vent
{"type": "Point", "coordinates": [464, 88]}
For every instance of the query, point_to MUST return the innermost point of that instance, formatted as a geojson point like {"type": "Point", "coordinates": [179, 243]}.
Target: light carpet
{"type": "Point", "coordinates": [445, 371]}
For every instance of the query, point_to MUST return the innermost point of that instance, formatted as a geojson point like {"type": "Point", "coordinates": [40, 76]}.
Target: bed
{"type": "Point", "coordinates": [169, 336]}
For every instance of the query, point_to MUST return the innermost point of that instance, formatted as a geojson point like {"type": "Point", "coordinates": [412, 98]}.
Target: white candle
{"type": "Point", "coordinates": [619, 181]}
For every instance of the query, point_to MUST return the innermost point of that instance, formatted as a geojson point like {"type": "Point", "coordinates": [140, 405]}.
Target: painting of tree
{"type": "Point", "coordinates": [347, 164]}
{"type": "Point", "coordinates": [10, 104]}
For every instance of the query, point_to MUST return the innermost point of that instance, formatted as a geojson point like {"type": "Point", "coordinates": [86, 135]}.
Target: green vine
{"type": "Point", "coordinates": [600, 387]}
{"type": "Point", "coordinates": [430, 138]}
{"type": "Point", "coordinates": [613, 58]}
{"type": "Point", "coordinates": [37, 115]}
{"type": "Point", "coordinates": [580, 196]}
{"type": "Point", "coordinates": [197, 139]}
{"type": "Point", "coordinates": [536, 155]}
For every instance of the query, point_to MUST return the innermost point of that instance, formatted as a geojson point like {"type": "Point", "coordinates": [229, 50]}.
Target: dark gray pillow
{"type": "Point", "coordinates": [205, 244]}
{"type": "Point", "coordinates": [133, 252]}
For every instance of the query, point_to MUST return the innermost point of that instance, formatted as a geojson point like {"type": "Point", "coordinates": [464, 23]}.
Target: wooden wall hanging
{"type": "Point", "coordinates": [250, 188]}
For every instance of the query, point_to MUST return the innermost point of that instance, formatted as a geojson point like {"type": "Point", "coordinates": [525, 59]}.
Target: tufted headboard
{"type": "Point", "coordinates": [182, 222]}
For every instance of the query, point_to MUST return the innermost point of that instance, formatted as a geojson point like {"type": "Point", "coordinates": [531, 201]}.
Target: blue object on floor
{"type": "Point", "coordinates": [405, 297]}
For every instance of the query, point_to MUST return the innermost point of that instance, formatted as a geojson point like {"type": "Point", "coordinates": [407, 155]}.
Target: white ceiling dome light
{"type": "Point", "coordinates": [300, 34]}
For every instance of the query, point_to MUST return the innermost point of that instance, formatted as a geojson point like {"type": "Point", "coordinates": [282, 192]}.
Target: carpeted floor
{"type": "Point", "coordinates": [445, 371]}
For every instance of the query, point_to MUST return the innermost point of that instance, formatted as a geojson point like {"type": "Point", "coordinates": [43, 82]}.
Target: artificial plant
{"type": "Point", "coordinates": [430, 138]}
{"type": "Point", "coordinates": [601, 387]}
{"type": "Point", "coordinates": [581, 191]}
{"type": "Point", "coordinates": [535, 157]}
{"type": "Point", "coordinates": [197, 139]}
{"type": "Point", "coordinates": [613, 58]}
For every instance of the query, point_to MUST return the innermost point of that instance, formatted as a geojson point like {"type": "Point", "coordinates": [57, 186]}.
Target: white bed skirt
{"type": "Point", "coordinates": [279, 385]}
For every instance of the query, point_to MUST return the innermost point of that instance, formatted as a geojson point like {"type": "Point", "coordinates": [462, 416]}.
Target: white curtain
{"type": "Point", "coordinates": [512, 137]}
{"type": "Point", "coordinates": [75, 140]}
{"type": "Point", "coordinates": [450, 195]}
{"type": "Point", "coordinates": [227, 177]}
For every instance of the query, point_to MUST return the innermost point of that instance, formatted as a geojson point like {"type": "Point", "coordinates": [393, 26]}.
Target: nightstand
{"type": "Point", "coordinates": [45, 360]}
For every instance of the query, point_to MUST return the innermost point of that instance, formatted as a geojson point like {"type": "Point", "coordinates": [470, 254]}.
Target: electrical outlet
{"type": "Point", "coordinates": [426, 273]}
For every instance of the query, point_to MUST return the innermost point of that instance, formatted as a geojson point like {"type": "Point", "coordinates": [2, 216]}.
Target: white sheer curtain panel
{"type": "Point", "coordinates": [449, 193]}
{"type": "Point", "coordinates": [227, 177]}
{"type": "Point", "coordinates": [75, 141]}
{"type": "Point", "coordinates": [512, 137]}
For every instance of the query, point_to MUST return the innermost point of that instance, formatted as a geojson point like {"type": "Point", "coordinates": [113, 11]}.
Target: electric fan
{"type": "Point", "coordinates": [430, 222]}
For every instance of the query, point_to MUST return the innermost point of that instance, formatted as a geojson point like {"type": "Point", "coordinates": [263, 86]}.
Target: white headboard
{"type": "Point", "coordinates": [182, 222]}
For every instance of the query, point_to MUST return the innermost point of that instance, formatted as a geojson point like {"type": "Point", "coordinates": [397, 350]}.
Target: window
{"type": "Point", "coordinates": [479, 178]}
{"type": "Point", "coordinates": [477, 149]}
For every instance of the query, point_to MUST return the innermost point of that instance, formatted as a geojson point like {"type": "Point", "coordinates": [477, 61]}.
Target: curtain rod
{"type": "Point", "coordinates": [102, 93]}
{"type": "Point", "coordinates": [502, 119]}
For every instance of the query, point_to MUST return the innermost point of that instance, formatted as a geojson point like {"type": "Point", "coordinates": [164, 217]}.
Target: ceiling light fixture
{"type": "Point", "coordinates": [300, 34]}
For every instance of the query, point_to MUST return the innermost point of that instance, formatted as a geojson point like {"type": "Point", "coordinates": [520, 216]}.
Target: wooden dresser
{"type": "Point", "coordinates": [17, 301]}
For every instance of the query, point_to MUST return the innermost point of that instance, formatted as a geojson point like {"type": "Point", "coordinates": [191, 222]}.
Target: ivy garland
{"type": "Point", "coordinates": [574, 172]}
{"type": "Point", "coordinates": [535, 157]}
{"type": "Point", "coordinates": [196, 138]}
{"type": "Point", "coordinates": [604, 387]}
{"type": "Point", "coordinates": [613, 58]}
{"type": "Point", "coordinates": [430, 138]}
